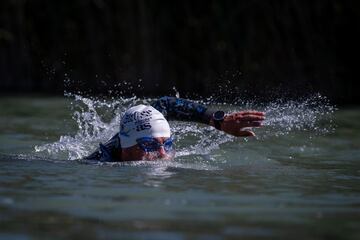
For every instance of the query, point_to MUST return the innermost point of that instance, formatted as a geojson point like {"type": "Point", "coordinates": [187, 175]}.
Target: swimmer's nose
{"type": "Point", "coordinates": [162, 152]}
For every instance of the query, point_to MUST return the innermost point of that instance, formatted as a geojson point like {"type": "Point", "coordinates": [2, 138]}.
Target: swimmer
{"type": "Point", "coordinates": [145, 133]}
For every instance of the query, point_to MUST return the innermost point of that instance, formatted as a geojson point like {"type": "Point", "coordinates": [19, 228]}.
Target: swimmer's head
{"type": "Point", "coordinates": [140, 122]}
{"type": "Point", "coordinates": [145, 133]}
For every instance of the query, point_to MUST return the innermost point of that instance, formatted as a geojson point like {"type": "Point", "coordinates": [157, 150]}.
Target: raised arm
{"type": "Point", "coordinates": [237, 124]}
{"type": "Point", "coordinates": [181, 109]}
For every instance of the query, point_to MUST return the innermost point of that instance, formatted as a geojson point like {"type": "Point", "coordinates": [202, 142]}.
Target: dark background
{"type": "Point", "coordinates": [222, 48]}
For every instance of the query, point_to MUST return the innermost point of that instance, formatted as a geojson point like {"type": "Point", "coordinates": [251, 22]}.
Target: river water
{"type": "Point", "coordinates": [298, 179]}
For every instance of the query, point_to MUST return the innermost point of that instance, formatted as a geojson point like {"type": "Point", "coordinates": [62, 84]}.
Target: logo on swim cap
{"type": "Point", "coordinates": [142, 121]}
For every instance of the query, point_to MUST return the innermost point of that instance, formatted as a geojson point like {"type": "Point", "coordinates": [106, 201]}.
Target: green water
{"type": "Point", "coordinates": [293, 184]}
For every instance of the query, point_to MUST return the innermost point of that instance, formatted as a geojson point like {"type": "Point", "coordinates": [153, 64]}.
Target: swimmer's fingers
{"type": "Point", "coordinates": [245, 117]}
{"type": "Point", "coordinates": [253, 124]}
{"type": "Point", "coordinates": [246, 133]}
{"type": "Point", "coordinates": [239, 130]}
{"type": "Point", "coordinates": [246, 113]}
{"type": "Point", "coordinates": [252, 118]}
{"type": "Point", "coordinates": [252, 112]}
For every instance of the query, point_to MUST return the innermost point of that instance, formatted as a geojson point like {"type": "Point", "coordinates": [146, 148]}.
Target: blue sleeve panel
{"type": "Point", "coordinates": [181, 109]}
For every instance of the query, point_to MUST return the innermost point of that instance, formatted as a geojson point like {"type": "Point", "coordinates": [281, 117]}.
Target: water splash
{"type": "Point", "coordinates": [313, 114]}
{"type": "Point", "coordinates": [98, 120]}
{"type": "Point", "coordinates": [177, 94]}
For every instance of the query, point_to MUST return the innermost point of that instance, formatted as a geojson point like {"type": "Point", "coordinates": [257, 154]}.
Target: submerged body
{"type": "Point", "coordinates": [145, 134]}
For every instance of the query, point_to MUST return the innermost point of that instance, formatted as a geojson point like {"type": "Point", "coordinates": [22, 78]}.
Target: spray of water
{"type": "Point", "coordinates": [98, 120]}
{"type": "Point", "coordinates": [313, 114]}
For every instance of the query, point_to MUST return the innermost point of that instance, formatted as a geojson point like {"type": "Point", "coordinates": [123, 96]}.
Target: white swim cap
{"type": "Point", "coordinates": [142, 121]}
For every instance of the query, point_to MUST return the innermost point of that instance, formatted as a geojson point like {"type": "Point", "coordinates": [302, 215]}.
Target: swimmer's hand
{"type": "Point", "coordinates": [239, 124]}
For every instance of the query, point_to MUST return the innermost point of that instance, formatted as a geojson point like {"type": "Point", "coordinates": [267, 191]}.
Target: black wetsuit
{"type": "Point", "coordinates": [172, 108]}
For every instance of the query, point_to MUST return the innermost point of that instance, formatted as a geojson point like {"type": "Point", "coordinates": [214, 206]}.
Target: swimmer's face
{"type": "Point", "coordinates": [150, 149]}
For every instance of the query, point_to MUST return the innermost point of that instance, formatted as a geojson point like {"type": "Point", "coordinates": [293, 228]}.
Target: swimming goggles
{"type": "Point", "coordinates": [149, 144]}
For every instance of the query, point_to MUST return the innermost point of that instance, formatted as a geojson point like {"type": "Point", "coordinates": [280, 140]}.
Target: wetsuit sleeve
{"type": "Point", "coordinates": [107, 152]}
{"type": "Point", "coordinates": [181, 109]}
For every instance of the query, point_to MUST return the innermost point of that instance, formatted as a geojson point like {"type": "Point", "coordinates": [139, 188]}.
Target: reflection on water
{"type": "Point", "coordinates": [299, 177]}
{"type": "Point", "coordinates": [156, 176]}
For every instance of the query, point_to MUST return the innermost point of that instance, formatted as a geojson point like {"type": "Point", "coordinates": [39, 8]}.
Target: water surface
{"type": "Point", "coordinates": [298, 179]}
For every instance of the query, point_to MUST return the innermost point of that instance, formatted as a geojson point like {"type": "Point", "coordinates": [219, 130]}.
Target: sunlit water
{"type": "Point", "coordinates": [298, 179]}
